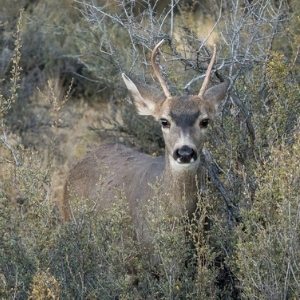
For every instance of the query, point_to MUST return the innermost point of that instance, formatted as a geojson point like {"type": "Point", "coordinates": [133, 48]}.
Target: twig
{"type": "Point", "coordinates": [213, 175]}
{"type": "Point", "coordinates": [245, 114]}
{"type": "Point", "coordinates": [3, 138]}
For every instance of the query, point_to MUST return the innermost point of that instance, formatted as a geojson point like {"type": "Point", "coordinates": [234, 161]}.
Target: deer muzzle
{"type": "Point", "coordinates": [185, 155]}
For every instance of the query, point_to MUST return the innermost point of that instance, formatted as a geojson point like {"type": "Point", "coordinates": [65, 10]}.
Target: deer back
{"type": "Point", "coordinates": [110, 170]}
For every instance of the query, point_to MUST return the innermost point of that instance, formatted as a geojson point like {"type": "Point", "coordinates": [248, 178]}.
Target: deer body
{"type": "Point", "coordinates": [109, 169]}
{"type": "Point", "coordinates": [104, 181]}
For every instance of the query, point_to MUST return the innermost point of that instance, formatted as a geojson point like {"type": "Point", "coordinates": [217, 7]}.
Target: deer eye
{"type": "Point", "coordinates": [204, 123]}
{"type": "Point", "coordinates": [165, 123]}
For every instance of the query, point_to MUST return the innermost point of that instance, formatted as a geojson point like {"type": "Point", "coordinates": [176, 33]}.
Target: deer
{"type": "Point", "coordinates": [179, 174]}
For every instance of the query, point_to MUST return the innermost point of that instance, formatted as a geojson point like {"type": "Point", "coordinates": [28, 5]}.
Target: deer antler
{"type": "Point", "coordinates": [156, 70]}
{"type": "Point", "coordinates": [208, 71]}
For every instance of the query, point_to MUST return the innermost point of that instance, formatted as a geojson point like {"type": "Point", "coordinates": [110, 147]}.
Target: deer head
{"type": "Point", "coordinates": [184, 119]}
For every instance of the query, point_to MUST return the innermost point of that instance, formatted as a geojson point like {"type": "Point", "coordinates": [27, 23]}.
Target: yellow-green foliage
{"type": "Point", "coordinates": [6, 102]}
{"type": "Point", "coordinates": [268, 240]}
{"type": "Point", "coordinates": [267, 249]}
{"type": "Point", "coordinates": [281, 102]}
{"type": "Point", "coordinates": [44, 286]}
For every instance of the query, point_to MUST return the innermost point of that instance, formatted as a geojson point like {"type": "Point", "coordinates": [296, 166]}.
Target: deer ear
{"type": "Point", "coordinates": [146, 98]}
{"type": "Point", "coordinates": [214, 95]}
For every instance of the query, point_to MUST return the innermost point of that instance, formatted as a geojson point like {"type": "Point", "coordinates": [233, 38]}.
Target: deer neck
{"type": "Point", "coordinates": [182, 186]}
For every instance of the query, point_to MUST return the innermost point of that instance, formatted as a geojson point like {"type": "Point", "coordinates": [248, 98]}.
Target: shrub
{"type": "Point", "coordinates": [268, 239]}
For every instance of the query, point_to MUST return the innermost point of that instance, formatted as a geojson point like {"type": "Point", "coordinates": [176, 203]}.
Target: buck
{"type": "Point", "coordinates": [112, 168]}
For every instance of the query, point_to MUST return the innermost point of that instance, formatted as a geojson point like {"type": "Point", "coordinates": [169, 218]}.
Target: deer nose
{"type": "Point", "coordinates": [185, 155]}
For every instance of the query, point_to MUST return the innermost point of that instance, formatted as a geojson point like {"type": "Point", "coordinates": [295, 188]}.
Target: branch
{"type": "Point", "coordinates": [245, 114]}
{"type": "Point", "coordinates": [3, 138]}
{"type": "Point", "coordinates": [212, 170]}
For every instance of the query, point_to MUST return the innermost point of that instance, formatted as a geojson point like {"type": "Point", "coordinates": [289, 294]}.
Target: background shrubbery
{"type": "Point", "coordinates": [61, 92]}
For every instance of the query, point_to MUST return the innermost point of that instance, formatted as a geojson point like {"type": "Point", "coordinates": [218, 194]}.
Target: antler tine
{"type": "Point", "coordinates": [156, 70]}
{"type": "Point", "coordinates": [208, 71]}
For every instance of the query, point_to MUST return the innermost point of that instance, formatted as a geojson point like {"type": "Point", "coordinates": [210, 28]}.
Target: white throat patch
{"type": "Point", "coordinates": [181, 167]}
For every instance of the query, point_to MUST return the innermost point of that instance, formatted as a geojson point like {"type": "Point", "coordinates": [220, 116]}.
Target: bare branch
{"type": "Point", "coordinates": [4, 140]}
